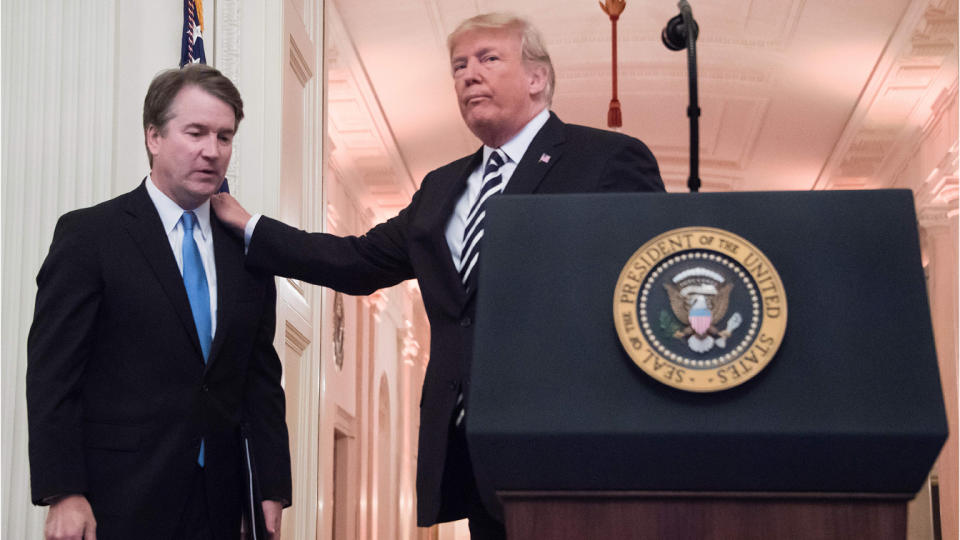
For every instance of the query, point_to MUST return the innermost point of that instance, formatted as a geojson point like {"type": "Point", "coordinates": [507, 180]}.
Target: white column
{"type": "Point", "coordinates": [932, 174]}
{"type": "Point", "coordinates": [249, 40]}
{"type": "Point", "coordinates": [58, 72]}
{"type": "Point", "coordinates": [938, 222]}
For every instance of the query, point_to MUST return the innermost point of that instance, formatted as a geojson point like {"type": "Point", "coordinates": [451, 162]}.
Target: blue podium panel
{"type": "Point", "coordinates": [851, 403]}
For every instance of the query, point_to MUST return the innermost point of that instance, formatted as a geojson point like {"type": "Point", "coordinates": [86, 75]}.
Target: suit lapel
{"type": "Point", "coordinates": [228, 252]}
{"type": "Point", "coordinates": [438, 222]}
{"type": "Point", "coordinates": [544, 152]}
{"type": "Point", "coordinates": [142, 222]}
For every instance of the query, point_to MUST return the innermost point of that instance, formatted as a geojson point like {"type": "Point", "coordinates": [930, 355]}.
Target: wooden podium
{"type": "Point", "coordinates": [664, 516]}
{"type": "Point", "coordinates": [830, 440]}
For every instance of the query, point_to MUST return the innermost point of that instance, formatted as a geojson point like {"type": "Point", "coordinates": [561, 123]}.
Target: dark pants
{"type": "Point", "coordinates": [195, 520]}
{"type": "Point", "coordinates": [459, 483]}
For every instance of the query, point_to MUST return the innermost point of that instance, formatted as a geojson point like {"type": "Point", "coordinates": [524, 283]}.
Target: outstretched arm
{"type": "Point", "coordinates": [351, 264]}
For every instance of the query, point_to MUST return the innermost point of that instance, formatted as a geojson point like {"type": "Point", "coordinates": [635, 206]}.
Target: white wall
{"type": "Point", "coordinates": [148, 41]}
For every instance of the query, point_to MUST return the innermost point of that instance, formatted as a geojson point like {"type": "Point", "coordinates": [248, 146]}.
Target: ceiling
{"type": "Point", "coordinates": [795, 94]}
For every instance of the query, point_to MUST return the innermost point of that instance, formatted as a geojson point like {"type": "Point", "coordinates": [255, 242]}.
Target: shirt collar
{"type": "Point", "coordinates": [170, 212]}
{"type": "Point", "coordinates": [517, 146]}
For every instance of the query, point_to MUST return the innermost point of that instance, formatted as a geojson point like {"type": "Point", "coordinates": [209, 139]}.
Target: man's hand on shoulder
{"type": "Point", "coordinates": [70, 518]}
{"type": "Point", "coordinates": [229, 211]}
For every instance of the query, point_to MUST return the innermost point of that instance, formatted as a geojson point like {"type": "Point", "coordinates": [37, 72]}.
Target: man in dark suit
{"type": "Point", "coordinates": [151, 344]}
{"type": "Point", "coordinates": [504, 82]}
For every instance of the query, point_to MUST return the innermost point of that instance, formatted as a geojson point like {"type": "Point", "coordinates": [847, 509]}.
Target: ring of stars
{"type": "Point", "coordinates": [742, 276]}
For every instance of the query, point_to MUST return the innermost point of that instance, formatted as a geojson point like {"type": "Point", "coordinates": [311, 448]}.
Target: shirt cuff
{"type": "Point", "coordinates": [248, 230]}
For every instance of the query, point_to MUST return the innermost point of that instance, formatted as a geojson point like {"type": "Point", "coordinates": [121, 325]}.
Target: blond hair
{"type": "Point", "coordinates": [532, 47]}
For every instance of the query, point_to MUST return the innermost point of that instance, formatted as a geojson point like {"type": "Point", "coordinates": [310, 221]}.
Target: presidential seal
{"type": "Point", "coordinates": [700, 309]}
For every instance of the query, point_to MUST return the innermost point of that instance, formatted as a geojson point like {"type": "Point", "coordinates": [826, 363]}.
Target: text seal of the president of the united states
{"type": "Point", "coordinates": [700, 309]}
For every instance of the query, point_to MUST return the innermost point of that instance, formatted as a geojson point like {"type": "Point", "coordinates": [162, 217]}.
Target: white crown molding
{"type": "Point", "coordinates": [936, 198]}
{"type": "Point", "coordinates": [918, 65]}
{"type": "Point", "coordinates": [366, 153]}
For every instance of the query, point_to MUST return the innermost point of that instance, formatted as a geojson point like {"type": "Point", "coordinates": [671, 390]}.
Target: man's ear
{"type": "Point", "coordinates": [537, 79]}
{"type": "Point", "coordinates": [152, 135]}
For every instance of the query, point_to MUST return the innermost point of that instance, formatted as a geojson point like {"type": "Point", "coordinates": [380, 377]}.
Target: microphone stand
{"type": "Point", "coordinates": [678, 35]}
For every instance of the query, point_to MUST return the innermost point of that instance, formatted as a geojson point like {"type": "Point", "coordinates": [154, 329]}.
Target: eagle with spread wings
{"type": "Point", "coordinates": [683, 305]}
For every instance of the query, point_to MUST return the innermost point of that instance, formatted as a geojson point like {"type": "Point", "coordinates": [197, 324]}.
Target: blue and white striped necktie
{"type": "Point", "coordinates": [473, 233]}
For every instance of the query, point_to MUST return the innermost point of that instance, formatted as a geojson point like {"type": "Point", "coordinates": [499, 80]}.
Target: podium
{"type": "Point", "coordinates": [830, 440]}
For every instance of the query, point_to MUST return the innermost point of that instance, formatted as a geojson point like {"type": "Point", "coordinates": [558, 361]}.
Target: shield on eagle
{"type": "Point", "coordinates": [700, 317]}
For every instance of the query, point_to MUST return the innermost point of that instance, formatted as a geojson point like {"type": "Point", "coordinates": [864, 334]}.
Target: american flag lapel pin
{"type": "Point", "coordinates": [544, 158]}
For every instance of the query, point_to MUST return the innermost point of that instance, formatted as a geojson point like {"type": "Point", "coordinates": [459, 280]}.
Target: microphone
{"type": "Point", "coordinates": [674, 34]}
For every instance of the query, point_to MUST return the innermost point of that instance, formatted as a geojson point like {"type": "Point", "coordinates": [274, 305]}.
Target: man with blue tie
{"type": "Point", "coordinates": [151, 345]}
{"type": "Point", "coordinates": [504, 81]}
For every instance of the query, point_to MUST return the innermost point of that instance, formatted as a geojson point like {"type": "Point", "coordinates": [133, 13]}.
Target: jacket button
{"type": "Point", "coordinates": [465, 322]}
{"type": "Point", "coordinates": [205, 388]}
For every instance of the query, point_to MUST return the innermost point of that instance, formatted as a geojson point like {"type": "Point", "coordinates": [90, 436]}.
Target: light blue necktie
{"type": "Point", "coordinates": [195, 281]}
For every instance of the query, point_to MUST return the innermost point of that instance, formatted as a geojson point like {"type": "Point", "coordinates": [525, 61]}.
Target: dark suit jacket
{"type": "Point", "coordinates": [413, 245]}
{"type": "Point", "coordinates": [118, 394]}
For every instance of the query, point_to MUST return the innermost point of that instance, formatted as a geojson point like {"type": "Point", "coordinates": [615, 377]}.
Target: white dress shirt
{"type": "Point", "coordinates": [513, 151]}
{"type": "Point", "coordinates": [170, 214]}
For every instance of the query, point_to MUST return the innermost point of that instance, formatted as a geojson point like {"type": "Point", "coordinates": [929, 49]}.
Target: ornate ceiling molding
{"type": "Point", "coordinates": [299, 65]}
{"type": "Point", "coordinates": [899, 102]}
{"type": "Point", "coordinates": [364, 151]}
{"type": "Point", "coordinates": [937, 196]}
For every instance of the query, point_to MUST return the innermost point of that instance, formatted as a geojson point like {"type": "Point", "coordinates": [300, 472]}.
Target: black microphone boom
{"type": "Point", "coordinates": [677, 37]}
